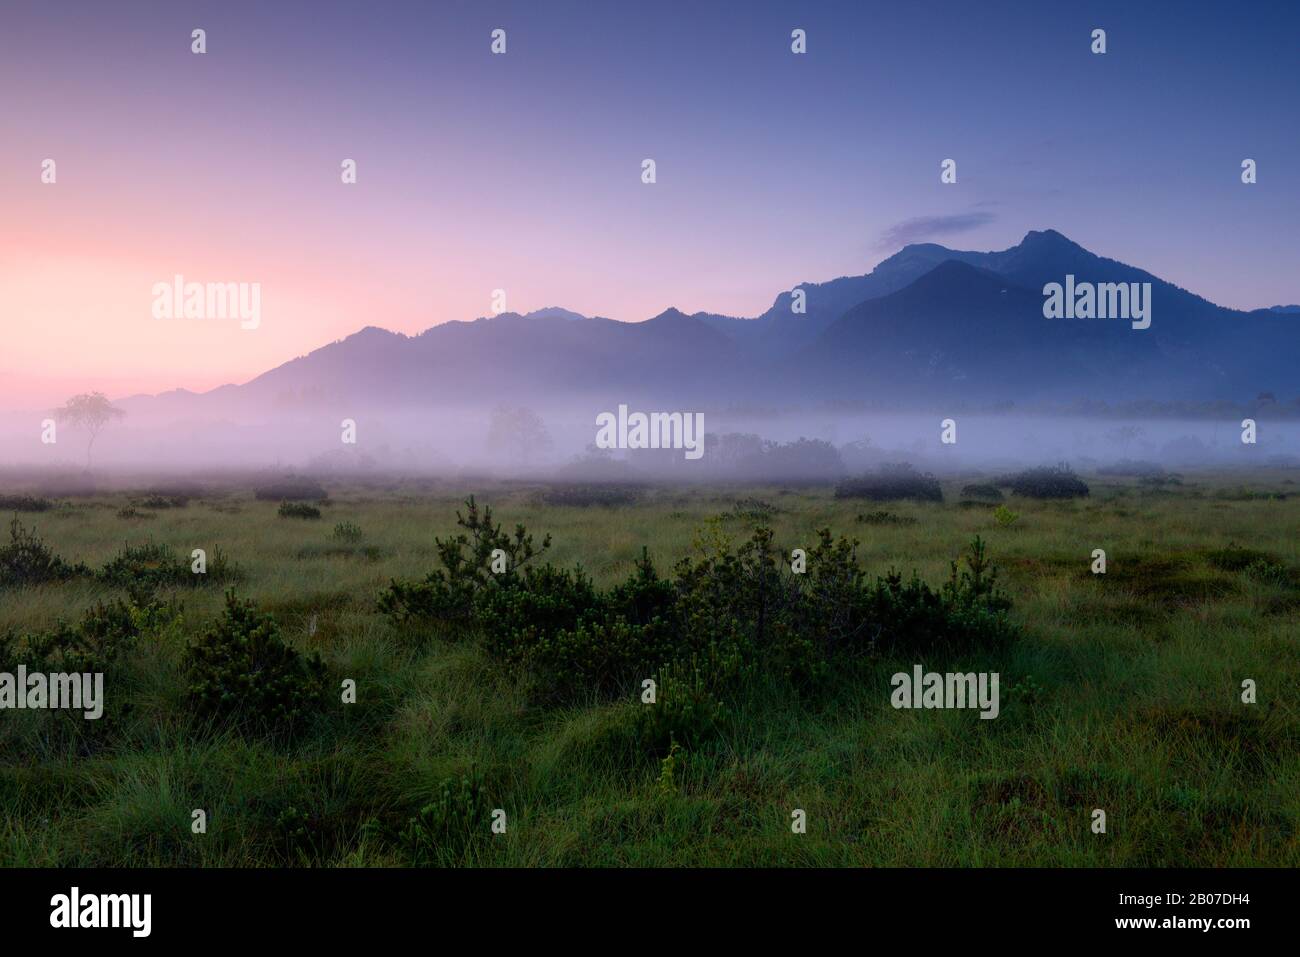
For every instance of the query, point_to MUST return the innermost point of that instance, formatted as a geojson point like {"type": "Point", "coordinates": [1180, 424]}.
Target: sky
{"type": "Point", "coordinates": [522, 171]}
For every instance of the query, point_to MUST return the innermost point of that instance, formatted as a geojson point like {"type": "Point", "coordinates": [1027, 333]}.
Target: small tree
{"type": "Point", "coordinates": [91, 411]}
{"type": "Point", "coordinates": [1125, 435]}
{"type": "Point", "coordinates": [519, 434]}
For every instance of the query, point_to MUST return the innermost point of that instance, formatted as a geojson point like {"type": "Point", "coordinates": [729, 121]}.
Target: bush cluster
{"type": "Point", "coordinates": [27, 560]}
{"type": "Point", "coordinates": [1269, 573]}
{"type": "Point", "coordinates": [348, 532]}
{"type": "Point", "coordinates": [1235, 558]}
{"type": "Point", "coordinates": [728, 613]}
{"type": "Point", "coordinates": [686, 712]}
{"type": "Point", "coordinates": [24, 503]}
{"type": "Point", "coordinates": [102, 636]}
{"type": "Point", "coordinates": [298, 510]}
{"type": "Point", "coordinates": [156, 565]}
{"type": "Point", "coordinates": [242, 670]}
{"type": "Point", "coordinates": [753, 510]}
{"type": "Point", "coordinates": [157, 501]}
{"type": "Point", "coordinates": [449, 594]}
{"type": "Point", "coordinates": [439, 834]}
{"type": "Point", "coordinates": [1049, 482]}
{"type": "Point", "coordinates": [891, 483]}
{"type": "Point", "coordinates": [982, 492]}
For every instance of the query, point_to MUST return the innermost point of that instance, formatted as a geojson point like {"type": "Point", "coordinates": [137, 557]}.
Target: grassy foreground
{"type": "Point", "coordinates": [1123, 693]}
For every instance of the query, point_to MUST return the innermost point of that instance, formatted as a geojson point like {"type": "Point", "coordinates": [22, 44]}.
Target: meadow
{"type": "Point", "coordinates": [1122, 691]}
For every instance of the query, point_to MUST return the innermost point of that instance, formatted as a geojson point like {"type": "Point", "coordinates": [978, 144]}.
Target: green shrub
{"type": "Point", "coordinates": [753, 510]}
{"type": "Point", "coordinates": [24, 503]}
{"type": "Point", "coordinates": [728, 614]}
{"type": "Point", "coordinates": [551, 623]}
{"type": "Point", "coordinates": [1234, 558]}
{"type": "Point", "coordinates": [439, 834]}
{"type": "Point", "coordinates": [737, 609]}
{"type": "Point", "coordinates": [296, 832]}
{"type": "Point", "coordinates": [347, 532]}
{"type": "Point", "coordinates": [298, 510]}
{"type": "Point", "coordinates": [448, 594]}
{"type": "Point", "coordinates": [105, 633]}
{"type": "Point", "coordinates": [1026, 691]}
{"type": "Point", "coordinates": [666, 784]}
{"type": "Point", "coordinates": [968, 612]}
{"type": "Point", "coordinates": [163, 501]}
{"type": "Point", "coordinates": [27, 560]}
{"type": "Point", "coordinates": [156, 565]}
{"type": "Point", "coordinates": [1268, 573]}
{"type": "Point", "coordinates": [241, 670]}
{"type": "Point", "coordinates": [151, 563]}
{"type": "Point", "coordinates": [151, 615]}
{"type": "Point", "coordinates": [573, 639]}
{"type": "Point", "coordinates": [1004, 516]}
{"type": "Point", "coordinates": [892, 483]}
{"type": "Point", "coordinates": [982, 492]}
{"type": "Point", "coordinates": [102, 642]}
{"type": "Point", "coordinates": [1055, 482]}
{"type": "Point", "coordinates": [685, 710]}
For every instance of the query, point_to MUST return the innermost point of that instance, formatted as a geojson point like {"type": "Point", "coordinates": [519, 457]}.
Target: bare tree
{"type": "Point", "coordinates": [90, 411]}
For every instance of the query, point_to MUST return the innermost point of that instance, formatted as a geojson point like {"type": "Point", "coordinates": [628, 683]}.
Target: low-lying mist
{"type": "Point", "coordinates": [559, 443]}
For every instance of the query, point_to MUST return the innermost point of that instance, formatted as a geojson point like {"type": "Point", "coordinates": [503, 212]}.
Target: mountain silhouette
{"type": "Point", "coordinates": [965, 332]}
{"type": "Point", "coordinates": [928, 323]}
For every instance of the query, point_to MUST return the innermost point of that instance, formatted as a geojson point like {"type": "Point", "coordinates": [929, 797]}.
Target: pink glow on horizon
{"type": "Point", "coordinates": [523, 172]}
{"type": "Point", "coordinates": [78, 260]}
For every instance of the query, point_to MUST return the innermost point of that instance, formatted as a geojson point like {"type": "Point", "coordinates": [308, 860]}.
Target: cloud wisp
{"type": "Point", "coordinates": [924, 228]}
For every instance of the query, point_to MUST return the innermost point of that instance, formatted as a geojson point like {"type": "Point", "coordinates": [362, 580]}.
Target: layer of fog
{"type": "Point", "coordinates": [557, 444]}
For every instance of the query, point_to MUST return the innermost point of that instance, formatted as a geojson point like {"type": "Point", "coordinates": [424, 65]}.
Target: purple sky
{"type": "Point", "coordinates": [522, 171]}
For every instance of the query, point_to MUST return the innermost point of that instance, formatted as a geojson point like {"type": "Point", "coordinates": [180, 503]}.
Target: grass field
{"type": "Point", "coordinates": [1122, 693]}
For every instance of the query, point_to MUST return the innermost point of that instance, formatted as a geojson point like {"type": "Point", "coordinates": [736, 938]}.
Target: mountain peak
{"type": "Point", "coordinates": [671, 314]}
{"type": "Point", "coordinates": [373, 333]}
{"type": "Point", "coordinates": [927, 322]}
{"type": "Point", "coordinates": [554, 312]}
{"type": "Point", "coordinates": [921, 248]}
{"type": "Point", "coordinates": [1047, 238]}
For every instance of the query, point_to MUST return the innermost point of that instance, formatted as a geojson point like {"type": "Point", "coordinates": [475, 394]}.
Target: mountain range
{"type": "Point", "coordinates": [928, 324]}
